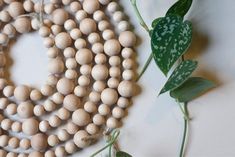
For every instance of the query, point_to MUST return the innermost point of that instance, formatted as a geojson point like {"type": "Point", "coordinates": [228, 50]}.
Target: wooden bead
{"type": "Point", "coordinates": [8, 91]}
{"type": "Point", "coordinates": [70, 147]}
{"type": "Point", "coordinates": [58, 98]}
{"type": "Point", "coordinates": [3, 39]}
{"type": "Point", "coordinates": [28, 5]}
{"type": "Point", "coordinates": [93, 38]}
{"type": "Point", "coordinates": [80, 91]}
{"type": "Point", "coordinates": [44, 31]}
{"type": "Point", "coordinates": [63, 114]}
{"type": "Point", "coordinates": [49, 105]}
{"type": "Point", "coordinates": [127, 39]}
{"type": "Point", "coordinates": [80, 117]}
{"type": "Point", "coordinates": [92, 129]}
{"type": "Point", "coordinates": [50, 153]}
{"type": "Point", "coordinates": [15, 9]}
{"type": "Point", "coordinates": [115, 72]}
{"type": "Point", "coordinates": [113, 83]}
{"type": "Point", "coordinates": [56, 66]}
{"type": "Point", "coordinates": [98, 119]}
{"type": "Point", "coordinates": [22, 25]}
{"type": "Point", "coordinates": [11, 154]}
{"type": "Point", "coordinates": [63, 40]}
{"type": "Point", "coordinates": [72, 102]}
{"type": "Point", "coordinates": [104, 2]}
{"type": "Point", "coordinates": [59, 16]}
{"type": "Point", "coordinates": [87, 26]}
{"type": "Point", "coordinates": [56, 29]}
{"type": "Point", "coordinates": [35, 154]}
{"type": "Point", "coordinates": [112, 7]}
{"type": "Point", "coordinates": [75, 33]}
{"type": "Point", "coordinates": [25, 143]}
{"type": "Point", "coordinates": [53, 140]}
{"type": "Point", "coordinates": [126, 89]}
{"type": "Point", "coordinates": [71, 128]}
{"type": "Point", "coordinates": [90, 6]}
{"type": "Point", "coordinates": [22, 93]}
{"type": "Point", "coordinates": [109, 96]}
{"type": "Point", "coordinates": [97, 48]}
{"type": "Point", "coordinates": [35, 95]}
{"type": "Point", "coordinates": [103, 25]}
{"type": "Point", "coordinates": [123, 102]}
{"type": "Point", "coordinates": [3, 153]}
{"type": "Point", "coordinates": [99, 72]}
{"type": "Point", "coordinates": [47, 90]}
{"type": "Point", "coordinates": [108, 34]}
{"type": "Point", "coordinates": [79, 139]}
{"type": "Point", "coordinates": [11, 109]}
{"type": "Point", "coordinates": [52, 80]}
{"type": "Point", "coordinates": [54, 121]}
{"type": "Point", "coordinates": [25, 109]}
{"type": "Point", "coordinates": [39, 110]}
{"type": "Point", "coordinates": [16, 126]}
{"type": "Point", "coordinates": [6, 124]}
{"type": "Point", "coordinates": [39, 142]}
{"type": "Point", "coordinates": [80, 15]}
{"type": "Point", "coordinates": [99, 86]}
{"type": "Point", "coordinates": [49, 8]}
{"type": "Point", "coordinates": [69, 52]}
{"type": "Point", "coordinates": [80, 43]}
{"type": "Point", "coordinates": [84, 56]}
{"type": "Point", "coordinates": [118, 112]}
{"type": "Point", "coordinates": [5, 16]}
{"type": "Point", "coordinates": [3, 103]}
{"type": "Point", "coordinates": [65, 86]}
{"type": "Point", "coordinates": [44, 126]}
{"type": "Point", "coordinates": [13, 142]}
{"type": "Point", "coordinates": [60, 151]}
{"type": "Point", "coordinates": [75, 6]}
{"type": "Point", "coordinates": [127, 53]}
{"type": "Point", "coordinates": [4, 140]}
{"type": "Point", "coordinates": [90, 107]}
{"type": "Point", "coordinates": [69, 25]}
{"type": "Point", "coordinates": [104, 109]}
{"type": "Point", "coordinates": [30, 126]}
{"type": "Point", "coordinates": [123, 26]}
{"type": "Point", "coordinates": [63, 135]}
{"type": "Point", "coordinates": [94, 96]}
{"type": "Point", "coordinates": [98, 15]}
{"type": "Point", "coordinates": [112, 47]}
{"type": "Point", "coordinates": [112, 123]}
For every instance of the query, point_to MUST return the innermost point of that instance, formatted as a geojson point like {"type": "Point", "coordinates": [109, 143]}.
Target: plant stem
{"type": "Point", "coordinates": [186, 128]}
{"type": "Point", "coordinates": [145, 66]}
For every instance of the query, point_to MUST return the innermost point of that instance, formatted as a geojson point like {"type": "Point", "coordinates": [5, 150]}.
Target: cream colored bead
{"type": "Point", "coordinates": [44, 126]}
{"type": "Point", "coordinates": [90, 6]}
{"type": "Point", "coordinates": [128, 75]}
{"type": "Point", "coordinates": [100, 58]}
{"type": "Point", "coordinates": [97, 48]}
{"type": "Point", "coordinates": [58, 98]}
{"type": "Point", "coordinates": [39, 142]}
{"type": "Point", "coordinates": [72, 102]}
{"type": "Point", "coordinates": [4, 140]}
{"type": "Point", "coordinates": [99, 72]}
{"type": "Point", "coordinates": [65, 86]}
{"type": "Point", "coordinates": [72, 128]}
{"type": "Point", "coordinates": [2, 60]}
{"type": "Point", "coordinates": [11, 109]}
{"type": "Point", "coordinates": [126, 89]}
{"type": "Point", "coordinates": [113, 83]}
{"type": "Point", "coordinates": [49, 8]}
{"type": "Point", "coordinates": [94, 97]}
{"type": "Point", "coordinates": [80, 91]}
{"type": "Point", "coordinates": [50, 153]}
{"type": "Point", "coordinates": [71, 63]}
{"type": "Point", "coordinates": [56, 29]}
{"type": "Point", "coordinates": [99, 86]}
{"type": "Point", "coordinates": [39, 110]}
{"type": "Point", "coordinates": [8, 91]}
{"type": "Point", "coordinates": [35, 95]}
{"type": "Point", "coordinates": [10, 30]}
{"type": "Point", "coordinates": [123, 102]}
{"type": "Point", "coordinates": [25, 109]}
{"type": "Point", "coordinates": [11, 154]}
{"type": "Point", "coordinates": [80, 43]}
{"type": "Point", "coordinates": [63, 135]}
{"type": "Point", "coordinates": [22, 155]}
{"type": "Point", "coordinates": [66, 2]}
{"type": "Point", "coordinates": [22, 93]}
{"type": "Point", "coordinates": [60, 151]}
{"type": "Point", "coordinates": [63, 114]}
{"type": "Point", "coordinates": [93, 38]}
{"type": "Point", "coordinates": [112, 123]}
{"type": "Point", "coordinates": [53, 52]}
{"type": "Point", "coordinates": [83, 80]}
{"type": "Point", "coordinates": [25, 143]}
{"type": "Point", "coordinates": [3, 153]}
{"type": "Point", "coordinates": [118, 112]}
{"type": "Point", "coordinates": [115, 72]}
{"type": "Point", "coordinates": [63, 40]}
{"type": "Point", "coordinates": [47, 90]}
{"type": "Point", "coordinates": [3, 103]}
{"type": "Point", "coordinates": [16, 126]}
{"type": "Point", "coordinates": [54, 121]}
{"type": "Point", "coordinates": [70, 147]}
{"type": "Point", "coordinates": [37, 7]}
{"type": "Point", "coordinates": [123, 26]}
{"type": "Point", "coordinates": [128, 64]}
{"type": "Point", "coordinates": [84, 56]}
{"type": "Point", "coordinates": [3, 39]}
{"type": "Point", "coordinates": [92, 129]}
{"type": "Point", "coordinates": [112, 47]}
{"type": "Point", "coordinates": [35, 154]}
{"type": "Point", "coordinates": [35, 23]}
{"type": "Point", "coordinates": [53, 140]}
{"type": "Point", "coordinates": [98, 119]}
{"type": "Point", "coordinates": [85, 69]}
{"type": "Point", "coordinates": [114, 61]}
{"type": "Point", "coordinates": [28, 5]}
{"type": "Point", "coordinates": [127, 53]}
{"type": "Point", "coordinates": [44, 31]}
{"type": "Point", "coordinates": [15, 9]}
{"type": "Point", "coordinates": [30, 126]}
{"type": "Point", "coordinates": [5, 16]}
{"type": "Point", "coordinates": [87, 26]}
{"type": "Point", "coordinates": [112, 7]}
{"type": "Point", "coordinates": [22, 25]}
{"type": "Point", "coordinates": [118, 16]}
{"type": "Point", "coordinates": [69, 25]}
{"type": "Point", "coordinates": [104, 110]}
{"type": "Point", "coordinates": [108, 34]}
{"type": "Point", "coordinates": [49, 105]}
{"type": "Point", "coordinates": [56, 66]}
{"type": "Point", "coordinates": [79, 139]}
{"type": "Point", "coordinates": [75, 6]}
{"type": "Point", "coordinates": [98, 15]}
{"type": "Point", "coordinates": [59, 16]}
{"type": "Point", "coordinates": [104, 2]}
{"type": "Point", "coordinates": [75, 33]}
{"type": "Point", "coordinates": [103, 25]}
{"type": "Point", "coordinates": [69, 52]}
{"type": "Point", "coordinates": [80, 117]}
{"type": "Point", "coordinates": [13, 142]}
{"type": "Point", "coordinates": [127, 39]}
{"type": "Point", "coordinates": [71, 74]}
{"type": "Point", "coordinates": [80, 15]}
{"type": "Point", "coordinates": [48, 42]}
{"type": "Point", "coordinates": [109, 96]}
{"type": "Point", "coordinates": [90, 107]}
{"type": "Point", "coordinates": [6, 124]}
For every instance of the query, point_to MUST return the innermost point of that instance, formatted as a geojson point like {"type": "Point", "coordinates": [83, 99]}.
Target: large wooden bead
{"type": "Point", "coordinates": [39, 142]}
{"type": "Point", "coordinates": [63, 40]}
{"type": "Point", "coordinates": [87, 26]}
{"type": "Point", "coordinates": [22, 25]}
{"type": "Point", "coordinates": [127, 39]}
{"type": "Point", "coordinates": [81, 117]}
{"type": "Point", "coordinates": [59, 16]}
{"type": "Point", "coordinates": [22, 93]}
{"type": "Point", "coordinates": [84, 56]}
{"type": "Point", "coordinates": [90, 6]}
{"type": "Point", "coordinates": [30, 126]}
{"type": "Point", "coordinates": [15, 9]}
{"type": "Point", "coordinates": [72, 102]}
{"type": "Point", "coordinates": [112, 47]}
{"type": "Point", "coordinates": [80, 139]}
{"type": "Point", "coordinates": [65, 86]}
{"type": "Point", "coordinates": [126, 89]}
{"type": "Point", "coordinates": [100, 72]}
{"type": "Point", "coordinates": [109, 96]}
{"type": "Point", "coordinates": [25, 109]}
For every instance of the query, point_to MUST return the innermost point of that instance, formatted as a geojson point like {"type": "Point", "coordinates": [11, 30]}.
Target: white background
{"type": "Point", "coordinates": [154, 126]}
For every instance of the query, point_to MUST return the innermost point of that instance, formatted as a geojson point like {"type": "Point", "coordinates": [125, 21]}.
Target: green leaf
{"type": "Point", "coordinates": [169, 41]}
{"type": "Point", "coordinates": [181, 7]}
{"type": "Point", "coordinates": [122, 154]}
{"type": "Point", "coordinates": [155, 22]}
{"type": "Point", "coordinates": [179, 75]}
{"type": "Point", "coordinates": [191, 89]}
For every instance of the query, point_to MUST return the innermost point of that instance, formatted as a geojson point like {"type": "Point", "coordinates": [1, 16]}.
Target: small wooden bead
{"type": "Point", "coordinates": [80, 91]}
{"type": "Point", "coordinates": [108, 34]}
{"type": "Point", "coordinates": [3, 103]}
{"type": "Point", "coordinates": [104, 110]}
{"type": "Point", "coordinates": [44, 31]}
{"type": "Point", "coordinates": [11, 109]}
{"type": "Point", "coordinates": [56, 66]}
{"type": "Point", "coordinates": [52, 80]}
{"type": "Point", "coordinates": [25, 143]}
{"type": "Point", "coordinates": [123, 102]}
{"type": "Point", "coordinates": [59, 16]}
{"type": "Point", "coordinates": [39, 110]}
{"type": "Point", "coordinates": [13, 142]}
{"type": "Point", "coordinates": [127, 39]}
{"type": "Point", "coordinates": [80, 117]}
{"type": "Point", "coordinates": [22, 25]}
{"type": "Point", "coordinates": [97, 48]}
{"type": "Point", "coordinates": [113, 83]}
{"type": "Point", "coordinates": [8, 91]}
{"type": "Point", "coordinates": [65, 86]}
{"type": "Point", "coordinates": [22, 93]}
{"type": "Point", "coordinates": [37, 7]}
{"type": "Point", "coordinates": [28, 5]}
{"type": "Point", "coordinates": [114, 61]}
{"type": "Point", "coordinates": [92, 129]}
{"type": "Point", "coordinates": [128, 75]}
{"type": "Point", "coordinates": [115, 72]}
{"type": "Point", "coordinates": [98, 15]}
{"type": "Point", "coordinates": [35, 23]}
{"type": "Point", "coordinates": [71, 74]}
{"type": "Point", "coordinates": [49, 8]}
{"type": "Point", "coordinates": [127, 53]}
{"type": "Point", "coordinates": [53, 52]}
{"type": "Point", "coordinates": [30, 126]}
{"type": "Point", "coordinates": [63, 40]}
{"type": "Point", "coordinates": [118, 112]}
{"type": "Point", "coordinates": [98, 119]}
{"type": "Point", "coordinates": [71, 102]}
{"type": "Point", "coordinates": [3, 153]}
{"type": "Point", "coordinates": [16, 126]}
{"type": "Point", "coordinates": [109, 96]}
{"type": "Point", "coordinates": [11, 154]}
{"type": "Point", "coordinates": [112, 7]}
{"type": "Point", "coordinates": [44, 126]}
{"type": "Point", "coordinates": [75, 33]}
{"type": "Point", "coordinates": [6, 124]}
{"type": "Point", "coordinates": [48, 42]}
{"type": "Point", "coordinates": [47, 90]}
{"type": "Point", "coordinates": [53, 140]}
{"type": "Point", "coordinates": [5, 16]}
{"type": "Point", "coordinates": [25, 109]}
{"type": "Point", "coordinates": [3, 39]}
{"type": "Point", "coordinates": [56, 29]}
{"type": "Point", "coordinates": [112, 47]}
{"type": "Point", "coordinates": [71, 128]}
{"type": "Point", "coordinates": [99, 86]}
{"type": "Point", "coordinates": [90, 6]}
{"type": "Point", "coordinates": [94, 96]}
{"type": "Point", "coordinates": [112, 123]}
{"type": "Point", "coordinates": [60, 151]}
{"type": "Point", "coordinates": [50, 153]}
{"type": "Point", "coordinates": [63, 114]}
{"type": "Point", "coordinates": [63, 135]}
{"type": "Point", "coordinates": [58, 98]}
{"type": "Point", "coordinates": [93, 38]}
{"type": "Point", "coordinates": [84, 56]}
{"type": "Point", "coordinates": [104, 2]}
{"type": "Point", "coordinates": [39, 142]}
{"type": "Point", "coordinates": [100, 59]}
{"type": "Point", "coordinates": [83, 80]}
{"type": "Point", "coordinates": [75, 6]}
{"type": "Point", "coordinates": [70, 147]}
{"type": "Point", "coordinates": [49, 105]}
{"type": "Point", "coordinates": [80, 43]}
{"type": "Point", "coordinates": [80, 15]}
{"type": "Point", "coordinates": [4, 140]}
{"type": "Point", "coordinates": [99, 72]}
{"type": "Point", "coordinates": [69, 52]}
{"type": "Point", "coordinates": [126, 89]}
{"type": "Point", "coordinates": [10, 30]}
{"type": "Point", "coordinates": [54, 121]}
{"type": "Point", "coordinates": [103, 25]}
{"type": "Point", "coordinates": [79, 139]}
{"type": "Point", "coordinates": [123, 26]}
{"type": "Point", "coordinates": [128, 64]}
{"type": "Point", "coordinates": [35, 154]}
{"type": "Point", "coordinates": [118, 16]}
{"type": "Point", "coordinates": [35, 95]}
{"type": "Point", "coordinates": [71, 63]}
{"type": "Point", "coordinates": [90, 107]}
{"type": "Point", "coordinates": [69, 25]}
{"type": "Point", "coordinates": [15, 9]}
{"type": "Point", "coordinates": [87, 26]}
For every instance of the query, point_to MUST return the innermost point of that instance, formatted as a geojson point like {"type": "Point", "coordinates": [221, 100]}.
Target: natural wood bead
{"type": "Point", "coordinates": [112, 7]}
{"type": "Point", "coordinates": [71, 128]}
{"type": "Point", "coordinates": [113, 83]}
{"type": "Point", "coordinates": [25, 109]}
{"type": "Point", "coordinates": [85, 69]}
{"type": "Point", "coordinates": [63, 114]}
{"type": "Point", "coordinates": [22, 93]}
{"type": "Point", "coordinates": [8, 91]}
{"type": "Point", "coordinates": [35, 23]}
{"type": "Point", "coordinates": [6, 124]}
{"type": "Point", "coordinates": [70, 147]}
{"type": "Point", "coordinates": [60, 151]}
{"type": "Point", "coordinates": [103, 25]}
{"type": "Point", "coordinates": [90, 6]}
{"type": "Point", "coordinates": [87, 26]}
{"type": "Point", "coordinates": [126, 89]}
{"type": "Point", "coordinates": [11, 109]}
{"type": "Point", "coordinates": [58, 98]}
{"type": "Point", "coordinates": [3, 153]}
{"type": "Point", "coordinates": [54, 121]}
{"type": "Point", "coordinates": [63, 40]}
{"type": "Point", "coordinates": [39, 110]}
{"type": "Point", "coordinates": [79, 139]}
{"type": "Point", "coordinates": [123, 26]}
{"type": "Point", "coordinates": [128, 75]}
{"type": "Point", "coordinates": [63, 135]}
{"type": "Point", "coordinates": [118, 16]}
{"type": "Point", "coordinates": [47, 90]}
{"type": "Point", "coordinates": [11, 154]}
{"type": "Point", "coordinates": [98, 15]}
{"type": "Point", "coordinates": [66, 2]}
{"type": "Point", "coordinates": [80, 43]}
{"type": "Point", "coordinates": [30, 126]}
{"type": "Point", "coordinates": [44, 31]}
{"type": "Point", "coordinates": [80, 15]}
{"type": "Point", "coordinates": [108, 34]}
{"type": "Point", "coordinates": [3, 39]}
{"type": "Point", "coordinates": [39, 142]}
{"type": "Point", "coordinates": [97, 48]}
{"type": "Point", "coordinates": [35, 154]}
{"type": "Point", "coordinates": [28, 5]}
{"type": "Point", "coordinates": [118, 112]}
{"type": "Point", "coordinates": [72, 102]}
{"type": "Point", "coordinates": [112, 123]}
{"type": "Point", "coordinates": [115, 72]}
{"type": "Point", "coordinates": [128, 63]}
{"type": "Point", "coordinates": [127, 39]}
{"type": "Point", "coordinates": [92, 129]}
{"type": "Point", "coordinates": [109, 96]}
{"type": "Point", "coordinates": [69, 25]}
{"type": "Point", "coordinates": [44, 126]}
{"type": "Point", "coordinates": [84, 56]}
{"type": "Point", "coordinates": [2, 60]}
{"type": "Point", "coordinates": [127, 53]}
{"type": "Point", "coordinates": [71, 63]}
{"type": "Point", "coordinates": [25, 143]}
{"type": "Point", "coordinates": [93, 38]}
{"type": "Point", "coordinates": [123, 102]}
{"type": "Point", "coordinates": [80, 91]}
{"type": "Point", "coordinates": [83, 80]}
{"type": "Point", "coordinates": [71, 74]}
{"type": "Point", "coordinates": [50, 153]}
{"type": "Point", "coordinates": [49, 8]}
{"type": "Point", "coordinates": [53, 52]}
{"type": "Point", "coordinates": [65, 86]}
{"type": "Point", "coordinates": [99, 86]}
{"type": "Point", "coordinates": [104, 2]}
{"type": "Point", "coordinates": [53, 140]}
{"type": "Point", "coordinates": [22, 155]}
{"type": "Point", "coordinates": [94, 96]}
{"type": "Point", "coordinates": [104, 110]}
{"type": "Point", "coordinates": [75, 33]}
{"type": "Point", "coordinates": [49, 105]}
{"type": "Point", "coordinates": [56, 29]}
{"type": "Point", "coordinates": [3, 103]}
{"type": "Point", "coordinates": [13, 142]}
{"type": "Point", "coordinates": [48, 42]}
{"type": "Point", "coordinates": [112, 47]}
{"type": "Point", "coordinates": [59, 16]}
{"type": "Point", "coordinates": [69, 52]}
{"type": "Point", "coordinates": [35, 95]}
{"type": "Point", "coordinates": [52, 80]}
{"type": "Point", "coordinates": [4, 140]}
{"type": "Point", "coordinates": [90, 107]}
{"type": "Point", "coordinates": [99, 72]}
{"type": "Point", "coordinates": [75, 6]}
{"type": "Point", "coordinates": [5, 16]}
{"type": "Point", "coordinates": [56, 66]}
{"type": "Point", "coordinates": [22, 25]}
{"type": "Point", "coordinates": [15, 9]}
{"type": "Point", "coordinates": [80, 117]}
{"type": "Point", "coordinates": [16, 126]}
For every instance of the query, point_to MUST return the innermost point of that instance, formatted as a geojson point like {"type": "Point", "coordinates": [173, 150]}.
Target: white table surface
{"type": "Point", "coordinates": [153, 127]}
